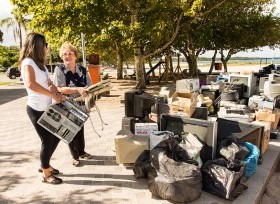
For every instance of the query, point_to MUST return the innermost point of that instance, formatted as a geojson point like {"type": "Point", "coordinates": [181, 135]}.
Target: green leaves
{"type": "Point", "coordinates": [8, 56]}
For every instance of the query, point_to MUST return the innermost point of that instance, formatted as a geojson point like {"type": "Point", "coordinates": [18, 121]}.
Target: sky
{"type": "Point", "coordinates": [5, 11]}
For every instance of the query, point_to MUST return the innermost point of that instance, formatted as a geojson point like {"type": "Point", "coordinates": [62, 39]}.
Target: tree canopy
{"type": "Point", "coordinates": [135, 30]}
{"type": "Point", "coordinates": [8, 56]}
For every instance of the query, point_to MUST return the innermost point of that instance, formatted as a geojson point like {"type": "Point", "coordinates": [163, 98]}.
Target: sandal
{"type": "Point", "coordinates": [86, 156]}
{"type": "Point", "coordinates": [53, 172]}
{"type": "Point", "coordinates": [76, 162]}
{"type": "Point", "coordinates": [52, 180]}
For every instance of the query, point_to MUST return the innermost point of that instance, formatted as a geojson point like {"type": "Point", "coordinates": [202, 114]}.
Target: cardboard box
{"type": "Point", "coordinates": [265, 142]}
{"type": "Point", "coordinates": [183, 104]}
{"type": "Point", "coordinates": [145, 129]}
{"type": "Point", "coordinates": [265, 138]}
{"type": "Point", "coordinates": [274, 124]}
{"type": "Point", "coordinates": [264, 116]}
{"type": "Point", "coordinates": [187, 97]}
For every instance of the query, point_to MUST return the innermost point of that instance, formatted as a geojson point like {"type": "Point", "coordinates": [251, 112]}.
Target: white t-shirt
{"type": "Point", "coordinates": [37, 101]}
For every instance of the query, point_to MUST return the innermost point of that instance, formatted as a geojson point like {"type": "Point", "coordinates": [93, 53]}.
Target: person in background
{"type": "Point", "coordinates": [72, 79]}
{"type": "Point", "coordinates": [40, 92]}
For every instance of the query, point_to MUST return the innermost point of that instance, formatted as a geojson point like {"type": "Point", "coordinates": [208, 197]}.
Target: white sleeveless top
{"type": "Point", "coordinates": [37, 101]}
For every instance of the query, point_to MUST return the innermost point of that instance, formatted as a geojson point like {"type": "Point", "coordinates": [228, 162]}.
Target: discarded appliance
{"type": "Point", "coordinates": [272, 86]}
{"type": "Point", "coordinates": [246, 132]}
{"type": "Point", "coordinates": [64, 120]}
{"type": "Point", "coordinates": [187, 85]}
{"type": "Point", "coordinates": [138, 104]}
{"type": "Point", "coordinates": [128, 146]}
{"type": "Point", "coordinates": [205, 130]}
{"type": "Point", "coordinates": [249, 82]}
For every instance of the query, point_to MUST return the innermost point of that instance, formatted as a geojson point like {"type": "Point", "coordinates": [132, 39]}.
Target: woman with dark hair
{"type": "Point", "coordinates": [40, 92]}
{"type": "Point", "coordinates": [72, 79]}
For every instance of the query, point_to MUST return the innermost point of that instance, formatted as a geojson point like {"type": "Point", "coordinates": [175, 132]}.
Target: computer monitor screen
{"type": "Point", "coordinates": [243, 80]}
{"type": "Point", "coordinates": [205, 130]}
{"type": "Point", "coordinates": [143, 104]}
{"type": "Point", "coordinates": [248, 80]}
{"type": "Point", "coordinates": [241, 130]}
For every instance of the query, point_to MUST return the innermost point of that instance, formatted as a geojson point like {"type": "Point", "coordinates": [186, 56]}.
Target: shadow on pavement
{"type": "Point", "coordinates": [8, 95]}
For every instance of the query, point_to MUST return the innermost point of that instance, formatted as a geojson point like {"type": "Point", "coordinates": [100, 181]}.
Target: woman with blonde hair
{"type": "Point", "coordinates": [40, 92]}
{"type": "Point", "coordinates": [72, 79]}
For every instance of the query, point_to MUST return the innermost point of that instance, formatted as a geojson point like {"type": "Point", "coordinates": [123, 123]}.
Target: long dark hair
{"type": "Point", "coordinates": [33, 48]}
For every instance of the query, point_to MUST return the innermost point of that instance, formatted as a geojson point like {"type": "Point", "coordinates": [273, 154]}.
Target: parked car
{"type": "Point", "coordinates": [13, 72]}
{"type": "Point", "coordinates": [3, 69]}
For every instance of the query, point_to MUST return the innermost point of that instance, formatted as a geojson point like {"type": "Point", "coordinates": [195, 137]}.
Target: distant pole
{"type": "Point", "coordinates": [83, 49]}
{"type": "Point", "coordinates": [50, 50]}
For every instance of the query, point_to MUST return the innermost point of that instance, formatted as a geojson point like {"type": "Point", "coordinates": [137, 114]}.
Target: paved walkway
{"type": "Point", "coordinates": [99, 180]}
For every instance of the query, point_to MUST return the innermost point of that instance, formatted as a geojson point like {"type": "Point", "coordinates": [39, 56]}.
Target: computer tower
{"type": "Point", "coordinates": [64, 120]}
{"type": "Point", "coordinates": [128, 123]}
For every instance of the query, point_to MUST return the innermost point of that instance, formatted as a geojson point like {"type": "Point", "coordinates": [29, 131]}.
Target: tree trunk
{"type": "Point", "coordinates": [151, 66]}
{"type": "Point", "coordinates": [225, 66]}
{"type": "Point", "coordinates": [139, 68]}
{"type": "Point", "coordinates": [119, 62]}
{"type": "Point", "coordinates": [226, 59]}
{"type": "Point", "coordinates": [213, 62]}
{"type": "Point", "coordinates": [20, 35]}
{"type": "Point", "coordinates": [138, 54]}
{"type": "Point", "coordinates": [169, 56]}
{"type": "Point", "coordinates": [192, 61]}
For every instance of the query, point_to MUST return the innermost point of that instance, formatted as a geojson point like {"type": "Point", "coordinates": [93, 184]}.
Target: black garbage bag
{"type": "Point", "coordinates": [171, 148]}
{"type": "Point", "coordinates": [224, 178]}
{"type": "Point", "coordinates": [176, 177]}
{"type": "Point", "coordinates": [230, 149]}
{"type": "Point", "coordinates": [142, 165]}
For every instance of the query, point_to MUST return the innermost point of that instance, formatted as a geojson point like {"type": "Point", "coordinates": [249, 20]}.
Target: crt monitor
{"type": "Point", "coordinates": [249, 81]}
{"type": "Point", "coordinates": [142, 105]}
{"type": "Point", "coordinates": [205, 130]}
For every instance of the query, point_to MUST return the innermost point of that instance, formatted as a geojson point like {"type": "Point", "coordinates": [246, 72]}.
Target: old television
{"type": "Point", "coordinates": [205, 130]}
{"type": "Point", "coordinates": [249, 81]}
{"type": "Point", "coordinates": [272, 86]}
{"type": "Point", "coordinates": [138, 104]}
{"type": "Point", "coordinates": [187, 85]}
{"type": "Point", "coordinates": [243, 131]}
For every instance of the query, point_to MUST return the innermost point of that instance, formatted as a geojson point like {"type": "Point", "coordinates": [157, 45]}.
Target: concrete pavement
{"type": "Point", "coordinates": [99, 180]}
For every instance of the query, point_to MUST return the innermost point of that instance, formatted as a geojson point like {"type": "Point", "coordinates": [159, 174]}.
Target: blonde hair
{"type": "Point", "coordinates": [68, 45]}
